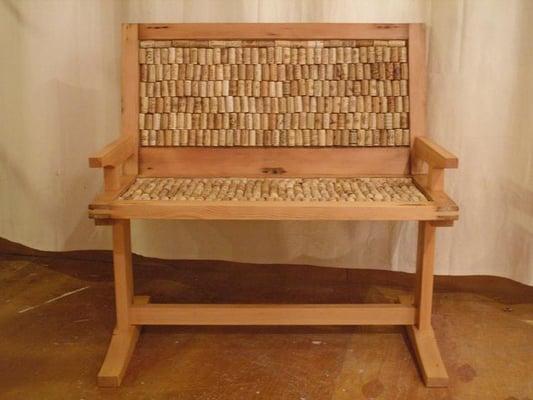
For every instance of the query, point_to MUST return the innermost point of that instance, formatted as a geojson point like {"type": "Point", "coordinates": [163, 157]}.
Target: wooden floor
{"type": "Point", "coordinates": [56, 318]}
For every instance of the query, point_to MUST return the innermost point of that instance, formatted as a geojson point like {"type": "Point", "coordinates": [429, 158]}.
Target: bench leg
{"type": "Point", "coordinates": [421, 335]}
{"type": "Point", "coordinates": [125, 335]}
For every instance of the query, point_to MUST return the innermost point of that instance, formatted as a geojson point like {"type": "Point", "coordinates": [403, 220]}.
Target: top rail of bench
{"type": "Point", "coordinates": [261, 31]}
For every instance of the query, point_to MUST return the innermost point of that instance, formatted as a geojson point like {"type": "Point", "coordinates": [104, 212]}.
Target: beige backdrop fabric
{"type": "Point", "coordinates": [59, 103]}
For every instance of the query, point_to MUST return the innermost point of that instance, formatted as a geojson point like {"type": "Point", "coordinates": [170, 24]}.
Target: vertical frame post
{"type": "Point", "coordinates": [424, 274]}
{"type": "Point", "coordinates": [125, 335]}
{"type": "Point", "coordinates": [417, 84]}
{"type": "Point", "coordinates": [130, 91]}
{"type": "Point", "coordinates": [421, 334]}
{"type": "Point", "coordinates": [123, 273]}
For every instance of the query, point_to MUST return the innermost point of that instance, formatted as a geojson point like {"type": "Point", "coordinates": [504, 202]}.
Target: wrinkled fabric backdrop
{"type": "Point", "coordinates": [59, 103]}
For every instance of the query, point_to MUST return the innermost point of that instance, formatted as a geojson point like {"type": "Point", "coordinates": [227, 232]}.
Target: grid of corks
{"type": "Point", "coordinates": [274, 93]}
{"type": "Point", "coordinates": [275, 189]}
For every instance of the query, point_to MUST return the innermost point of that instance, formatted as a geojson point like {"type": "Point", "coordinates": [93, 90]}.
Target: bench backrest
{"type": "Point", "coordinates": [260, 99]}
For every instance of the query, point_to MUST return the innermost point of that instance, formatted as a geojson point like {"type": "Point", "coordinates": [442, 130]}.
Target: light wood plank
{"type": "Point", "coordinates": [273, 210]}
{"type": "Point", "coordinates": [119, 352]}
{"type": "Point", "coordinates": [130, 92]}
{"type": "Point", "coordinates": [424, 274]}
{"type": "Point", "coordinates": [112, 177]}
{"type": "Point", "coordinates": [434, 154]}
{"type": "Point", "coordinates": [417, 83]}
{"type": "Point", "coordinates": [428, 356]}
{"type": "Point", "coordinates": [427, 352]}
{"type": "Point", "coordinates": [302, 31]}
{"type": "Point", "coordinates": [441, 200]}
{"type": "Point", "coordinates": [272, 314]}
{"type": "Point", "coordinates": [103, 199]}
{"type": "Point", "coordinates": [114, 153]}
{"type": "Point", "coordinates": [117, 357]}
{"type": "Point", "coordinates": [445, 223]}
{"type": "Point", "coordinates": [250, 162]}
{"type": "Point", "coordinates": [123, 272]}
{"type": "Point", "coordinates": [436, 179]}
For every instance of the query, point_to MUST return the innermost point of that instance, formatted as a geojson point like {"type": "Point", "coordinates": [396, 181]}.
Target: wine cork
{"type": "Point", "coordinates": [152, 105]}
{"type": "Point", "coordinates": [406, 138]}
{"type": "Point", "coordinates": [160, 138]}
{"type": "Point", "coordinates": [390, 137]}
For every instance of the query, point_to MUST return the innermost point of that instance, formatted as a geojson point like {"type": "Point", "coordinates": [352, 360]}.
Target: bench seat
{"type": "Point", "coordinates": [374, 189]}
{"type": "Point", "coordinates": [338, 198]}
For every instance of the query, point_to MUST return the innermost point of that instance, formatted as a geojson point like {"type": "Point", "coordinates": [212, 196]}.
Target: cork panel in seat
{"type": "Point", "coordinates": [360, 189]}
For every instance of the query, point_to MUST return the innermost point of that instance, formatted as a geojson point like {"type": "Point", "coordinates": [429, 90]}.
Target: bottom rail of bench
{"type": "Point", "coordinates": [141, 312]}
{"type": "Point", "coordinates": [272, 314]}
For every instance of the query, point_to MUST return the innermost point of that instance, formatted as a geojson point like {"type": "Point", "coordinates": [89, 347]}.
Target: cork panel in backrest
{"type": "Point", "coordinates": [273, 93]}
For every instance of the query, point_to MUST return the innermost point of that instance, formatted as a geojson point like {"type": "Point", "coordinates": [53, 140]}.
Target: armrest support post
{"type": "Point", "coordinates": [112, 178]}
{"type": "Point", "coordinates": [435, 179]}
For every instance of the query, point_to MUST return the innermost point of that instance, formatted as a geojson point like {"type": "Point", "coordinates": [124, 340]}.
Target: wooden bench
{"type": "Point", "coordinates": [273, 122]}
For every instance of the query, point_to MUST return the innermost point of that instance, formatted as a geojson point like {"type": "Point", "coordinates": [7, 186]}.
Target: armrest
{"type": "Point", "coordinates": [435, 155]}
{"type": "Point", "coordinates": [114, 153]}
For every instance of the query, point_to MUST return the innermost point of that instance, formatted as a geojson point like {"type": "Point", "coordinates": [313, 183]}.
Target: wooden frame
{"type": "Point", "coordinates": [439, 210]}
{"type": "Point", "coordinates": [122, 161]}
{"type": "Point", "coordinates": [299, 162]}
{"type": "Point", "coordinates": [235, 31]}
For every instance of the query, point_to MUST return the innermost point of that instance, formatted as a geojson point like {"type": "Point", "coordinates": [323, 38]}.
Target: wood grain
{"type": "Point", "coordinates": [115, 153]}
{"type": "Point", "coordinates": [428, 356]}
{"type": "Point", "coordinates": [125, 335]}
{"type": "Point", "coordinates": [272, 210]}
{"type": "Point", "coordinates": [417, 82]}
{"type": "Point", "coordinates": [440, 198]}
{"type": "Point", "coordinates": [272, 314]}
{"type": "Point", "coordinates": [130, 91]}
{"type": "Point", "coordinates": [122, 271]}
{"type": "Point", "coordinates": [435, 155]}
{"type": "Point", "coordinates": [246, 162]}
{"type": "Point", "coordinates": [424, 274]}
{"type": "Point", "coordinates": [235, 31]}
{"type": "Point", "coordinates": [119, 352]}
